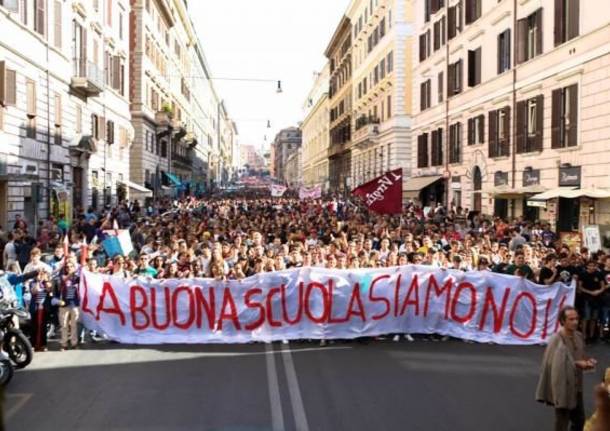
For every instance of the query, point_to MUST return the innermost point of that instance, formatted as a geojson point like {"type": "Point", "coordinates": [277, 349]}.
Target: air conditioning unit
{"type": "Point", "coordinates": [29, 170]}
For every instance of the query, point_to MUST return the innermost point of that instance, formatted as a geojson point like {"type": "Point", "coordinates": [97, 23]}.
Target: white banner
{"type": "Point", "coordinates": [277, 191]}
{"type": "Point", "coordinates": [315, 303]}
{"type": "Point", "coordinates": [314, 192]}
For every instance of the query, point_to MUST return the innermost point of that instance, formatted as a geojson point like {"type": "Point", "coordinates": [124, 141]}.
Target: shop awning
{"type": "Point", "coordinates": [512, 193]}
{"type": "Point", "coordinates": [136, 188]}
{"type": "Point", "coordinates": [174, 179]}
{"type": "Point", "coordinates": [589, 193]}
{"type": "Point", "coordinates": [559, 192]}
{"type": "Point", "coordinates": [415, 185]}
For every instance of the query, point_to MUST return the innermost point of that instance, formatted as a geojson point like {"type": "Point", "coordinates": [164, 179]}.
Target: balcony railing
{"type": "Point", "coordinates": [88, 78]}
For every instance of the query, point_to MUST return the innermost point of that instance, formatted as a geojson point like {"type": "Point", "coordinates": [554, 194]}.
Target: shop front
{"type": "Point", "coordinates": [428, 190]}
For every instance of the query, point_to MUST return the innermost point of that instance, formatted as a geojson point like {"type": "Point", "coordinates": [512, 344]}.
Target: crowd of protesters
{"type": "Point", "coordinates": [233, 238]}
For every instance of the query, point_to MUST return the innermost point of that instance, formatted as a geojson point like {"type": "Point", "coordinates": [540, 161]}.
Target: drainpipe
{"type": "Point", "coordinates": [48, 138]}
{"type": "Point", "coordinates": [446, 79]}
{"type": "Point", "coordinates": [514, 109]}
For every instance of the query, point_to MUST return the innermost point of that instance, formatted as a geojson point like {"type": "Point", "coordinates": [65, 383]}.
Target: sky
{"type": "Point", "coordinates": [265, 39]}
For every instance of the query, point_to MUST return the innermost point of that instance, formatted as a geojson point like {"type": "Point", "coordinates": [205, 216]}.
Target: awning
{"type": "Point", "coordinates": [559, 192]}
{"type": "Point", "coordinates": [512, 193]}
{"type": "Point", "coordinates": [136, 189]}
{"type": "Point", "coordinates": [174, 179]}
{"type": "Point", "coordinates": [589, 193]}
{"type": "Point", "coordinates": [417, 184]}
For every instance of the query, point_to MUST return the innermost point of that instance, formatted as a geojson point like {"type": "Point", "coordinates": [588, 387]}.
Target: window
{"type": "Point", "coordinates": [499, 132]}
{"type": "Point", "coordinates": [504, 51]}
{"type": "Point", "coordinates": [530, 125]}
{"type": "Point", "coordinates": [8, 86]}
{"type": "Point", "coordinates": [437, 35]}
{"type": "Point", "coordinates": [389, 107]}
{"type": "Point", "coordinates": [473, 11]}
{"type": "Point", "coordinates": [57, 27]}
{"type": "Point", "coordinates": [422, 151]}
{"type": "Point", "coordinates": [109, 13]}
{"type": "Point", "coordinates": [79, 120]}
{"type": "Point", "coordinates": [455, 143]}
{"type": "Point", "coordinates": [565, 117]}
{"type": "Point", "coordinates": [57, 136]}
{"type": "Point", "coordinates": [110, 132]}
{"type": "Point", "coordinates": [424, 46]}
{"type": "Point", "coordinates": [529, 37]}
{"type": "Point", "coordinates": [476, 130]}
{"type": "Point", "coordinates": [390, 61]}
{"type": "Point", "coordinates": [436, 156]}
{"type": "Point", "coordinates": [31, 109]}
{"type": "Point", "coordinates": [441, 90]}
{"type": "Point", "coordinates": [454, 18]}
{"type": "Point", "coordinates": [427, 10]}
{"type": "Point", "coordinates": [454, 78]}
{"type": "Point", "coordinates": [40, 15]}
{"type": "Point", "coordinates": [567, 17]}
{"type": "Point", "coordinates": [474, 67]}
{"type": "Point", "coordinates": [58, 110]}
{"type": "Point", "coordinates": [121, 35]}
{"type": "Point", "coordinates": [425, 95]}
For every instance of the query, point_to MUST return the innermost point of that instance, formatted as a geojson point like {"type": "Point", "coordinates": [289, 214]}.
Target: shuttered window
{"type": "Point", "coordinates": [79, 119]}
{"type": "Point", "coordinates": [31, 109]}
{"type": "Point", "coordinates": [440, 85]}
{"type": "Point", "coordinates": [425, 95]}
{"type": "Point", "coordinates": [40, 16]}
{"type": "Point", "coordinates": [454, 78]}
{"type": "Point", "coordinates": [436, 158]}
{"type": "Point", "coordinates": [504, 51]}
{"type": "Point", "coordinates": [473, 11]}
{"type": "Point", "coordinates": [529, 37]}
{"type": "Point", "coordinates": [455, 143]}
{"type": "Point", "coordinates": [564, 122]}
{"type": "Point", "coordinates": [474, 67]}
{"type": "Point", "coordinates": [422, 151]}
{"type": "Point", "coordinates": [499, 132]}
{"type": "Point", "coordinates": [567, 20]}
{"type": "Point", "coordinates": [58, 110]}
{"type": "Point", "coordinates": [530, 124]}
{"type": "Point", "coordinates": [476, 130]}
{"type": "Point", "coordinates": [57, 28]}
{"type": "Point", "coordinates": [8, 86]}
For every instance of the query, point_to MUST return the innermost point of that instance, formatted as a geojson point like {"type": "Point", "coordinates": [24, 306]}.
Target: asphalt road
{"type": "Point", "coordinates": [344, 386]}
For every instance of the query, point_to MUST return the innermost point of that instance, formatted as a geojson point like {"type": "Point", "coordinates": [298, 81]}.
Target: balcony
{"type": "Point", "coordinates": [88, 79]}
{"type": "Point", "coordinates": [366, 132]}
{"type": "Point", "coordinates": [185, 161]}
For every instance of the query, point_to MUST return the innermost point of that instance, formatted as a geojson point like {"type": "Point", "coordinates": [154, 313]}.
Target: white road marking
{"type": "Point", "coordinates": [22, 399]}
{"type": "Point", "coordinates": [277, 415]}
{"type": "Point", "coordinates": [296, 400]}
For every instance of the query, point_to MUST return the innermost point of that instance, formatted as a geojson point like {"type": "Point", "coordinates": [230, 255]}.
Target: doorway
{"type": "Point", "coordinates": [568, 215]}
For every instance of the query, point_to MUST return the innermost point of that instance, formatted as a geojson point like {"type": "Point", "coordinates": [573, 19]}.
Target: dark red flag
{"type": "Point", "coordinates": [383, 194]}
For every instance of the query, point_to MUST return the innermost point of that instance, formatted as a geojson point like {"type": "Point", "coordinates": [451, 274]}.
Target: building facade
{"type": "Point", "coordinates": [512, 108]}
{"type": "Point", "coordinates": [381, 87]}
{"type": "Point", "coordinates": [286, 142]}
{"type": "Point", "coordinates": [293, 172]}
{"type": "Point", "coordinates": [339, 54]}
{"type": "Point", "coordinates": [65, 127]}
{"type": "Point", "coordinates": [315, 127]}
{"type": "Point", "coordinates": [170, 118]}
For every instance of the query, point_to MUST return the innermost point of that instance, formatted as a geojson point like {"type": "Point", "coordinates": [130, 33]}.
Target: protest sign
{"type": "Point", "coordinates": [317, 303]}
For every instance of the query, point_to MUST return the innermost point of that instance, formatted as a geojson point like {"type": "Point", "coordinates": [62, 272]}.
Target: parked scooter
{"type": "Point", "coordinates": [14, 342]}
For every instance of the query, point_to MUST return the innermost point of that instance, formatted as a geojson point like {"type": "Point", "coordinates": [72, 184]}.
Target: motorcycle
{"type": "Point", "coordinates": [6, 369]}
{"type": "Point", "coordinates": [14, 342]}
